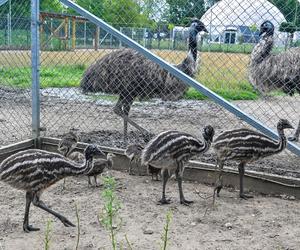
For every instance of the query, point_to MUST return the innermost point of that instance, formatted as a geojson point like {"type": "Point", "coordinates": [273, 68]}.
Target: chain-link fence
{"type": "Point", "coordinates": [91, 81]}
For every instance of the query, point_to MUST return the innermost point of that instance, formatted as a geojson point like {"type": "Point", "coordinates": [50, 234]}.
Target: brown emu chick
{"type": "Point", "coordinates": [244, 146]}
{"type": "Point", "coordinates": [133, 153]}
{"type": "Point", "coordinates": [99, 166]}
{"type": "Point", "coordinates": [35, 170]}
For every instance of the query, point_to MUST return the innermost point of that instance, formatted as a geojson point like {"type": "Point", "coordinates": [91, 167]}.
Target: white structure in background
{"type": "Point", "coordinates": [227, 19]}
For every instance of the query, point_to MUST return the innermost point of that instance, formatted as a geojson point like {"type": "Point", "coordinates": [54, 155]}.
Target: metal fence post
{"type": "Point", "coordinates": [35, 63]}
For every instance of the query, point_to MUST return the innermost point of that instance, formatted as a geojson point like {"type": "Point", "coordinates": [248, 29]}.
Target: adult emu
{"type": "Point", "coordinates": [130, 75]}
{"type": "Point", "coordinates": [269, 71]}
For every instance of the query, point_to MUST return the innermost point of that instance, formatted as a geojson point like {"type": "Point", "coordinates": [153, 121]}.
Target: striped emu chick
{"type": "Point", "coordinates": [133, 153]}
{"type": "Point", "coordinates": [99, 166]}
{"type": "Point", "coordinates": [67, 143]}
{"type": "Point", "coordinates": [169, 150]}
{"type": "Point", "coordinates": [66, 147]}
{"type": "Point", "coordinates": [245, 145]}
{"type": "Point", "coordinates": [35, 170]}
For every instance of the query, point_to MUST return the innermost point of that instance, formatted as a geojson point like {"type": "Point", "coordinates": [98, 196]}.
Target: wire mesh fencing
{"type": "Point", "coordinates": [94, 83]}
{"type": "Point", "coordinates": [15, 72]}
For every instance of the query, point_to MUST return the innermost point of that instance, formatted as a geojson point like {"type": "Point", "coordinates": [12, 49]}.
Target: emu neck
{"type": "Point", "coordinates": [193, 43]}
{"type": "Point", "coordinates": [282, 140]}
{"type": "Point", "coordinates": [262, 50]}
{"type": "Point", "coordinates": [207, 145]}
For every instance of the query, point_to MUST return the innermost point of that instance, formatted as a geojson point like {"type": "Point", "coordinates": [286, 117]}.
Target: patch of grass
{"type": "Point", "coordinates": [58, 76]}
{"type": "Point", "coordinates": [224, 73]}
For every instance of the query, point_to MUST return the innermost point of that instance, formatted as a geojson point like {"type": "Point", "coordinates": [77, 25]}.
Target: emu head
{"type": "Point", "coordinates": [266, 28]}
{"type": "Point", "coordinates": [208, 133]}
{"type": "Point", "coordinates": [92, 151]}
{"type": "Point", "coordinates": [110, 157]}
{"type": "Point", "coordinates": [198, 26]}
{"type": "Point", "coordinates": [284, 124]}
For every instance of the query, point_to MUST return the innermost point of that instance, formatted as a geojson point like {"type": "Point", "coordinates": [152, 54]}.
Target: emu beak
{"type": "Point", "coordinates": [205, 30]}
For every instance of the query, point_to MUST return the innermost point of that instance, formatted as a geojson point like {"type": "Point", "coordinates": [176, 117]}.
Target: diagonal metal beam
{"type": "Point", "coordinates": [174, 71]}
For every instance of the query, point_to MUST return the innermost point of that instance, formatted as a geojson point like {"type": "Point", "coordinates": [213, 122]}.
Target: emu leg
{"type": "Point", "coordinates": [37, 202]}
{"type": "Point", "coordinates": [26, 227]}
{"type": "Point", "coordinates": [295, 137]}
{"type": "Point", "coordinates": [96, 183]}
{"type": "Point", "coordinates": [241, 173]}
{"type": "Point", "coordinates": [165, 177]}
{"type": "Point", "coordinates": [219, 182]}
{"type": "Point", "coordinates": [122, 109]}
{"type": "Point", "coordinates": [89, 181]}
{"type": "Point", "coordinates": [179, 174]}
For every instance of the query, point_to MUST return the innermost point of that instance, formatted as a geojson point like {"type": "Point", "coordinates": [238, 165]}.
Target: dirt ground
{"type": "Point", "coordinates": [66, 108]}
{"type": "Point", "coordinates": [259, 223]}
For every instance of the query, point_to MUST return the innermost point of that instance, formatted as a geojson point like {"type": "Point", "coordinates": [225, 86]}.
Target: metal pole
{"type": "Point", "coordinates": [176, 72]}
{"type": "Point", "coordinates": [9, 23]}
{"type": "Point", "coordinates": [35, 64]}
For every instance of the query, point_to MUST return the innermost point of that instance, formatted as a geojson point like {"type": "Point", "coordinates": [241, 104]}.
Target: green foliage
{"type": "Point", "coordinates": [181, 11]}
{"type": "Point", "coordinates": [120, 13]}
{"type": "Point", "coordinates": [109, 216]}
{"type": "Point", "coordinates": [165, 235]}
{"type": "Point", "coordinates": [290, 10]}
{"type": "Point", "coordinates": [47, 238]}
{"type": "Point", "coordinates": [288, 27]}
{"type": "Point", "coordinates": [51, 6]}
{"type": "Point", "coordinates": [57, 76]}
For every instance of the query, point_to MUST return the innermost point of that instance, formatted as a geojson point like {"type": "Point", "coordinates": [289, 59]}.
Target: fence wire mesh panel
{"type": "Point", "coordinates": [15, 72]}
{"type": "Point", "coordinates": [90, 80]}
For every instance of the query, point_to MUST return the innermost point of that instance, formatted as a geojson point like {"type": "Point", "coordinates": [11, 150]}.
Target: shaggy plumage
{"type": "Point", "coordinates": [130, 75]}
{"type": "Point", "coordinates": [169, 150]}
{"type": "Point", "coordinates": [133, 153]}
{"type": "Point", "coordinates": [67, 145]}
{"type": "Point", "coordinates": [269, 71]}
{"type": "Point", "coordinates": [35, 170]}
{"type": "Point", "coordinates": [246, 145]}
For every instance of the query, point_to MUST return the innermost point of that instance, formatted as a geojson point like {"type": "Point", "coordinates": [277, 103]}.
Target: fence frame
{"type": "Point", "coordinates": [35, 64]}
{"type": "Point", "coordinates": [174, 71]}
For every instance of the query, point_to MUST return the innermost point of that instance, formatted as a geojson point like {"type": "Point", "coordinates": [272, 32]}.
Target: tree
{"type": "Point", "coordinates": [120, 13]}
{"type": "Point", "coordinates": [51, 6]}
{"type": "Point", "coordinates": [290, 10]}
{"type": "Point", "coordinates": [181, 11]}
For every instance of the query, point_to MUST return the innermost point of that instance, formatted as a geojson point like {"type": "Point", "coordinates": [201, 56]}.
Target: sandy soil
{"type": "Point", "coordinates": [259, 223]}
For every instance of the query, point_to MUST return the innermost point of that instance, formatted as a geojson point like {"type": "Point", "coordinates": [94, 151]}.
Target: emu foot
{"type": "Point", "coordinates": [246, 196]}
{"type": "Point", "coordinates": [186, 202]}
{"type": "Point", "coordinates": [293, 138]}
{"type": "Point", "coordinates": [217, 190]}
{"type": "Point", "coordinates": [164, 201]}
{"type": "Point", "coordinates": [29, 228]}
{"type": "Point", "coordinates": [66, 222]}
